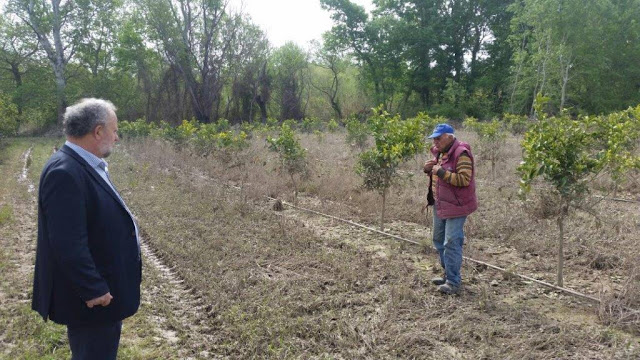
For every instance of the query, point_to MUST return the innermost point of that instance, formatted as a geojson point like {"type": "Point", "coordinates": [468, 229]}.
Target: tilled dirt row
{"type": "Point", "coordinates": [166, 325]}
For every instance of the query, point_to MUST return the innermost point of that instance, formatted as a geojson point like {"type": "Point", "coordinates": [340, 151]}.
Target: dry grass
{"type": "Point", "coordinates": [528, 229]}
{"type": "Point", "coordinates": [274, 288]}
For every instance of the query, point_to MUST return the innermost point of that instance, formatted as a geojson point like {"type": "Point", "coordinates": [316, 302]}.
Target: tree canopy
{"type": "Point", "coordinates": [171, 60]}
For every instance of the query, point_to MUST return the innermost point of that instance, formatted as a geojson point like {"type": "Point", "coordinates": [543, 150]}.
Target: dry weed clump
{"type": "Point", "coordinates": [622, 309]}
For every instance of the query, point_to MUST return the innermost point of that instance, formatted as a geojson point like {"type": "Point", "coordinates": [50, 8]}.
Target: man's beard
{"type": "Point", "coordinates": [106, 152]}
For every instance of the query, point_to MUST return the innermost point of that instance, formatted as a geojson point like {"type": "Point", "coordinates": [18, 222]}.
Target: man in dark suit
{"type": "Point", "coordinates": [88, 267]}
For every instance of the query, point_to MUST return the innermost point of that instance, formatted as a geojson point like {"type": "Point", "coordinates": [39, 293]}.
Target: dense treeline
{"type": "Point", "coordinates": [169, 60]}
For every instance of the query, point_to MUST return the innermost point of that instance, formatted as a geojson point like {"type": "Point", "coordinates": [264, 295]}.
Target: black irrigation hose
{"type": "Point", "coordinates": [616, 199]}
{"type": "Point", "coordinates": [528, 278]}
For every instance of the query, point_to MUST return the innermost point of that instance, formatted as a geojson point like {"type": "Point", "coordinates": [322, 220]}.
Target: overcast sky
{"type": "Point", "coordinates": [299, 21]}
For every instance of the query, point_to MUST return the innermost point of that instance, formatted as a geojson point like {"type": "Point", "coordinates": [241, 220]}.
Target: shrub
{"type": "Point", "coordinates": [357, 133]}
{"type": "Point", "coordinates": [332, 125]}
{"type": "Point", "coordinates": [292, 155]}
{"type": "Point", "coordinates": [310, 125]}
{"type": "Point", "coordinates": [8, 117]}
{"type": "Point", "coordinates": [138, 128]}
{"type": "Point", "coordinates": [517, 124]}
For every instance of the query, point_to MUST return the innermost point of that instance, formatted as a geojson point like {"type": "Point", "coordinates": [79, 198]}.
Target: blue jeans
{"type": "Point", "coordinates": [448, 238]}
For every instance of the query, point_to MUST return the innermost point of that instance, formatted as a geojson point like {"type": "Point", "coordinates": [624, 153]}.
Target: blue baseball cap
{"type": "Point", "coordinates": [441, 129]}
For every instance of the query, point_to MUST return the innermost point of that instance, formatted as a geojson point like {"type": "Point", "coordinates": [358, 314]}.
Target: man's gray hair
{"type": "Point", "coordinates": [83, 117]}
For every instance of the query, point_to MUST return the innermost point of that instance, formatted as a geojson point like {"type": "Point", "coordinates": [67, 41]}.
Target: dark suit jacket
{"type": "Point", "coordinates": [86, 246]}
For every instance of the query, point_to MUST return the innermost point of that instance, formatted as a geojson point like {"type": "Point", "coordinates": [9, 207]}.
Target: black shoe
{"type": "Point", "coordinates": [438, 281]}
{"type": "Point", "coordinates": [448, 289]}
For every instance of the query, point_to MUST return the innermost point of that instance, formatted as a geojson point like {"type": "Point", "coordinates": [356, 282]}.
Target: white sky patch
{"type": "Point", "coordinates": [299, 21]}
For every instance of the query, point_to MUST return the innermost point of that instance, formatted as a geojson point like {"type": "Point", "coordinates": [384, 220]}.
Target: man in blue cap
{"type": "Point", "coordinates": [452, 193]}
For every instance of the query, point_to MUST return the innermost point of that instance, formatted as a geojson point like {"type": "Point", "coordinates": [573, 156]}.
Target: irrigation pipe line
{"type": "Point", "coordinates": [505, 271]}
{"type": "Point", "coordinates": [617, 199]}
{"type": "Point", "coordinates": [528, 278]}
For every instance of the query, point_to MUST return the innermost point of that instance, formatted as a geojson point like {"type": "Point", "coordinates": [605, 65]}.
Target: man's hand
{"type": "Point", "coordinates": [103, 300]}
{"type": "Point", "coordinates": [429, 165]}
{"type": "Point", "coordinates": [436, 168]}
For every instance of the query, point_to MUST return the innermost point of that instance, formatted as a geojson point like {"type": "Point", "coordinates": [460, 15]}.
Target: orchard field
{"type": "Point", "coordinates": [229, 275]}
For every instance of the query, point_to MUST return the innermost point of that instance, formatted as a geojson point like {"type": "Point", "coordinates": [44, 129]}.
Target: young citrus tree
{"type": "Point", "coordinates": [395, 142]}
{"type": "Point", "coordinates": [491, 139]}
{"type": "Point", "coordinates": [357, 132]}
{"type": "Point", "coordinates": [292, 155]}
{"type": "Point", "coordinates": [568, 154]}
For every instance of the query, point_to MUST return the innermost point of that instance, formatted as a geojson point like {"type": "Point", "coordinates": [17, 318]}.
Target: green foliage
{"type": "Point", "coordinates": [517, 124]}
{"type": "Point", "coordinates": [232, 141]}
{"type": "Point", "coordinates": [8, 116]}
{"type": "Point", "coordinates": [222, 125]}
{"type": "Point", "coordinates": [134, 129]}
{"type": "Point", "coordinates": [490, 132]}
{"type": "Point", "coordinates": [6, 214]}
{"type": "Point", "coordinates": [272, 122]}
{"type": "Point", "coordinates": [290, 71]}
{"type": "Point", "coordinates": [566, 50]}
{"type": "Point", "coordinates": [34, 120]}
{"type": "Point", "coordinates": [310, 125]}
{"type": "Point", "coordinates": [567, 152]}
{"type": "Point", "coordinates": [332, 125]}
{"type": "Point", "coordinates": [395, 142]}
{"type": "Point", "coordinates": [180, 135]}
{"type": "Point", "coordinates": [357, 132]}
{"type": "Point", "coordinates": [207, 140]}
{"type": "Point", "coordinates": [204, 138]}
{"type": "Point", "coordinates": [621, 131]}
{"type": "Point", "coordinates": [427, 122]}
{"type": "Point", "coordinates": [292, 155]}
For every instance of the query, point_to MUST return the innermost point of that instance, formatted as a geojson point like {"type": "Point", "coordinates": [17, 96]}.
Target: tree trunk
{"type": "Point", "coordinates": [565, 81]}
{"type": "Point", "coordinates": [560, 248]}
{"type": "Point", "coordinates": [263, 109]}
{"type": "Point", "coordinates": [384, 203]}
{"type": "Point", "coordinates": [519, 69]}
{"type": "Point", "coordinates": [59, 61]}
{"type": "Point", "coordinates": [17, 77]}
{"type": "Point", "coordinates": [493, 165]}
{"type": "Point", "coordinates": [61, 84]}
{"type": "Point", "coordinates": [295, 190]}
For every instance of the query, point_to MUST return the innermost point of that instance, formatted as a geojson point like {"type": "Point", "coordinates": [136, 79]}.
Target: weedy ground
{"type": "Point", "coordinates": [256, 283]}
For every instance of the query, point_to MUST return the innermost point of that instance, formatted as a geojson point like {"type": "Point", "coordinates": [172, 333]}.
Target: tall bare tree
{"type": "Point", "coordinates": [196, 36]}
{"type": "Point", "coordinates": [52, 24]}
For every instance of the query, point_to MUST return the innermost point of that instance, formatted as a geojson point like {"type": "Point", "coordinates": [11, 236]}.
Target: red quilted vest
{"type": "Point", "coordinates": [454, 201]}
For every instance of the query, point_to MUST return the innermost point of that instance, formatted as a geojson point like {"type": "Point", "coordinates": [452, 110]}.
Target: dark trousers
{"type": "Point", "coordinates": [95, 342]}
